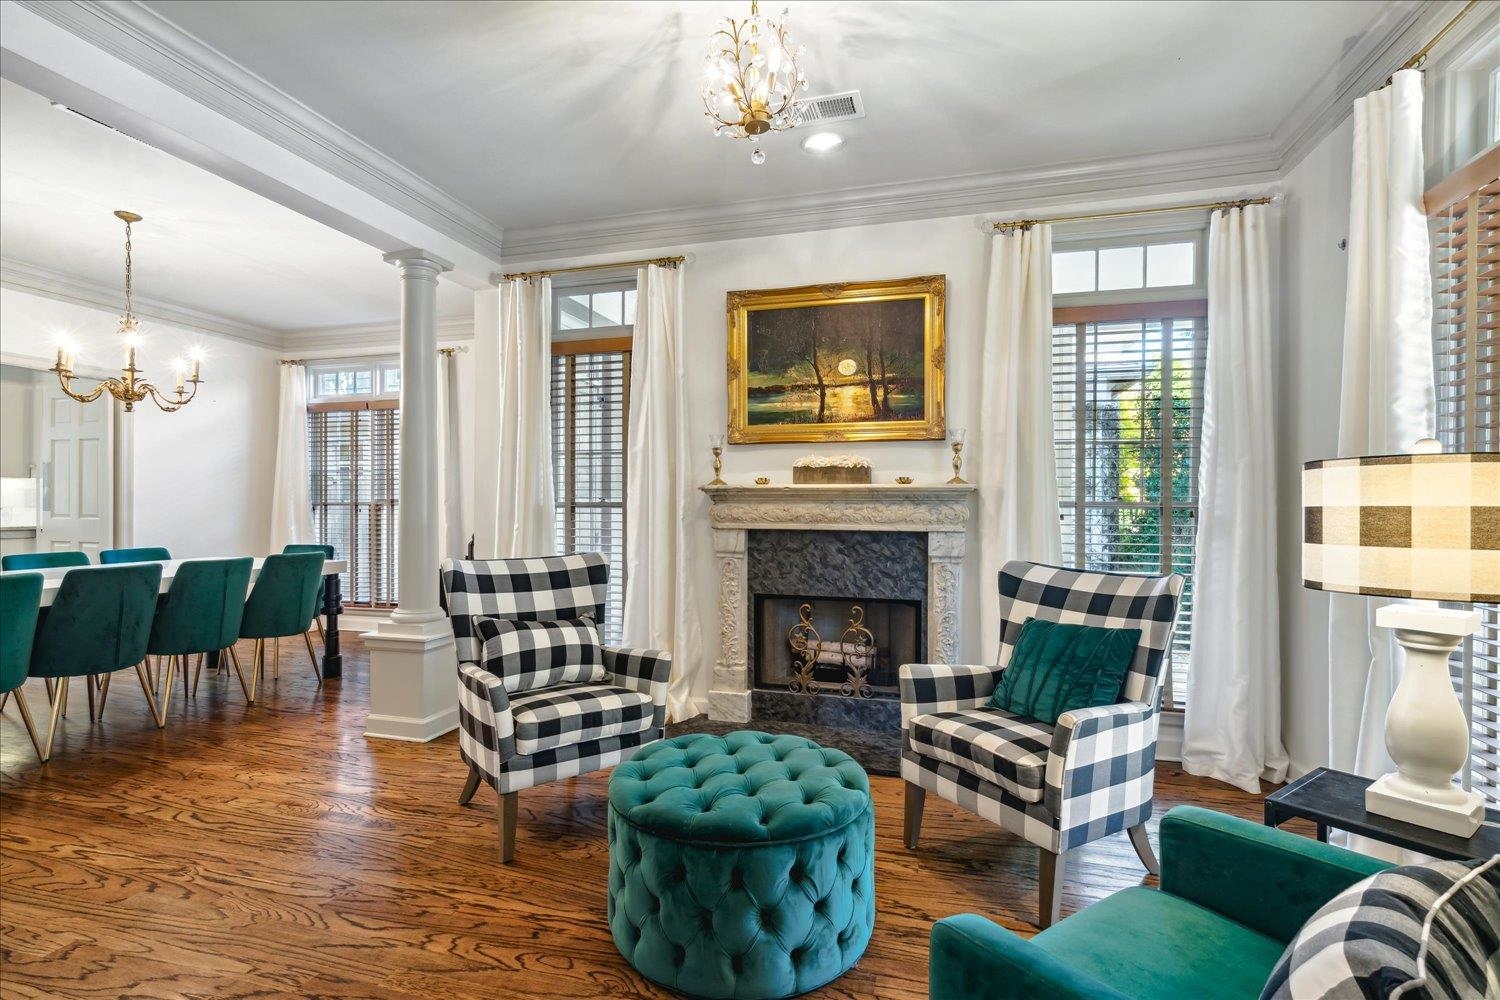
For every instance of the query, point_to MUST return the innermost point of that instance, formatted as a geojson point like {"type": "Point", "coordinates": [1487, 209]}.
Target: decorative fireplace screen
{"type": "Point", "coordinates": [849, 647]}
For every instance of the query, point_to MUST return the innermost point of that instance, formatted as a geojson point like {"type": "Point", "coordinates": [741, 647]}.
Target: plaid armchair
{"type": "Point", "coordinates": [1059, 786]}
{"type": "Point", "coordinates": [515, 741]}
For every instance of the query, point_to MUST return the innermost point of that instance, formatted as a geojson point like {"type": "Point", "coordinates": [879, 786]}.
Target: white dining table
{"type": "Point", "coordinates": [333, 661]}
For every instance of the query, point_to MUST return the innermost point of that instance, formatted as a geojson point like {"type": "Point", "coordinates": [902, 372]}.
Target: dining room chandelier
{"type": "Point", "coordinates": [753, 78]}
{"type": "Point", "coordinates": [131, 387]}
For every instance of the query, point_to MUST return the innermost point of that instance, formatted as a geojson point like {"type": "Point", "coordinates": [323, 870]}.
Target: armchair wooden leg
{"type": "Point", "coordinates": [30, 725]}
{"type": "Point", "coordinates": [508, 827]}
{"type": "Point", "coordinates": [1054, 869]}
{"type": "Point", "coordinates": [471, 785]}
{"type": "Point", "coordinates": [1143, 848]}
{"type": "Point", "coordinates": [916, 798]}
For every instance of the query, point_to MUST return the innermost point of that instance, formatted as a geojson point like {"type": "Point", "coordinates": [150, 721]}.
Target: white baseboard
{"type": "Point", "coordinates": [1169, 737]}
{"type": "Point", "coordinates": [395, 727]}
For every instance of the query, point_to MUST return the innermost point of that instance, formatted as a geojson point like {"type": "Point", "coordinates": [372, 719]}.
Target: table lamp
{"type": "Point", "coordinates": [1426, 527]}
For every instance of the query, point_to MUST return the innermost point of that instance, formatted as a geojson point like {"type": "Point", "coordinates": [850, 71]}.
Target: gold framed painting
{"type": "Point", "coordinates": [858, 361]}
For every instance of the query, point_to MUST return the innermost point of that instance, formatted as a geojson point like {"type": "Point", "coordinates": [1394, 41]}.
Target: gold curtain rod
{"type": "Point", "coordinates": [1010, 227]}
{"type": "Point", "coordinates": [446, 351]}
{"type": "Point", "coordinates": [1422, 53]}
{"type": "Point", "coordinates": [658, 261]}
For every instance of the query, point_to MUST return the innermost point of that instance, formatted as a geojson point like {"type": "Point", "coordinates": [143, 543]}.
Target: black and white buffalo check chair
{"type": "Point", "coordinates": [1062, 786]}
{"type": "Point", "coordinates": [517, 740]}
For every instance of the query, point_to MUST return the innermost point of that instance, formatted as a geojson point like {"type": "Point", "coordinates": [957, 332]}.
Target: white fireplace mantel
{"type": "Point", "coordinates": [941, 512]}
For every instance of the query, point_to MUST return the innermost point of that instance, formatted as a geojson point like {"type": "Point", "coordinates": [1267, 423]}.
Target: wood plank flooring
{"type": "Point", "coordinates": [274, 851]}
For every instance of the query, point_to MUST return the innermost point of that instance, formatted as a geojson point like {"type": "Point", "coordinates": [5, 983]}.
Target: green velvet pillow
{"type": "Point", "coordinates": [1056, 668]}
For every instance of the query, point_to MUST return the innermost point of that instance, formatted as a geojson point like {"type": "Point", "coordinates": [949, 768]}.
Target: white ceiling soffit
{"type": "Point", "coordinates": [164, 51]}
{"type": "Point", "coordinates": [52, 284]}
{"type": "Point", "coordinates": [133, 34]}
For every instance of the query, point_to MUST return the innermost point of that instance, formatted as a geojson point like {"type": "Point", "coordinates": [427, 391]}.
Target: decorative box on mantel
{"type": "Point", "coordinates": [941, 512]}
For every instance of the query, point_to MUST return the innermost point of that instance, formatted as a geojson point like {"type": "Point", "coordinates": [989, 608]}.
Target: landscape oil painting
{"type": "Point", "coordinates": [857, 361]}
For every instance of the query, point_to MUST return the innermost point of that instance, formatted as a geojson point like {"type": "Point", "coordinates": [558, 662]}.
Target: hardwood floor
{"type": "Point", "coordinates": [274, 851]}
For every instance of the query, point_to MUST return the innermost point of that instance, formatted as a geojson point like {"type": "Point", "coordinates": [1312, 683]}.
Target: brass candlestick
{"type": "Point", "coordinates": [956, 439]}
{"type": "Point", "coordinates": [716, 445]}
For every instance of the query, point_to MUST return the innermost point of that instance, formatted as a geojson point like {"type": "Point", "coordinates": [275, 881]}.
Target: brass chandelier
{"type": "Point", "coordinates": [753, 78]}
{"type": "Point", "coordinates": [130, 388]}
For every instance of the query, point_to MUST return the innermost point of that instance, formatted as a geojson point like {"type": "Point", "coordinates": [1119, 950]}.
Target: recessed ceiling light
{"type": "Point", "coordinates": [822, 142]}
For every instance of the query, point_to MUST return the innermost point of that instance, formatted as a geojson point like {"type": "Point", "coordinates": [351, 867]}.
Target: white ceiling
{"type": "Point", "coordinates": [205, 244]}
{"type": "Point", "coordinates": [541, 114]}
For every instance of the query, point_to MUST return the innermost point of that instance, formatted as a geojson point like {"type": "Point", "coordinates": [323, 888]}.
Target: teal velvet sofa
{"type": "Point", "coordinates": [1233, 895]}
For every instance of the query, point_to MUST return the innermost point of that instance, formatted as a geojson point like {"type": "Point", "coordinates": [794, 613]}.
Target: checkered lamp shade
{"type": "Point", "coordinates": [1424, 526]}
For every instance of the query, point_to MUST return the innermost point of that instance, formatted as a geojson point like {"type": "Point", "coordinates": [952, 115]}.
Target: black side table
{"type": "Point", "coordinates": [1334, 799]}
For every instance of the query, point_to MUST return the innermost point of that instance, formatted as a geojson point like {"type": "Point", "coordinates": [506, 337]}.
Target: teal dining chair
{"type": "Point", "coordinates": [43, 560]}
{"type": "Point", "coordinates": [151, 553]}
{"type": "Point", "coordinates": [20, 605]}
{"type": "Point", "coordinates": [282, 603]}
{"type": "Point", "coordinates": [327, 551]}
{"type": "Point", "coordinates": [200, 613]}
{"type": "Point", "coordinates": [99, 622]}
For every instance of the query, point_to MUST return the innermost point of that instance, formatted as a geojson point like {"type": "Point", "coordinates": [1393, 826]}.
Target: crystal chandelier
{"type": "Point", "coordinates": [131, 388]}
{"type": "Point", "coordinates": [753, 78]}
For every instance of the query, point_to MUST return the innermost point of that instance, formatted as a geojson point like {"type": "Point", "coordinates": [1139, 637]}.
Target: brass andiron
{"type": "Point", "coordinates": [716, 445]}
{"type": "Point", "coordinates": [805, 642]}
{"type": "Point", "coordinates": [858, 645]}
{"type": "Point", "coordinates": [956, 439]}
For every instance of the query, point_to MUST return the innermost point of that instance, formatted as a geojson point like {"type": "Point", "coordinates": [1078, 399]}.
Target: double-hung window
{"type": "Point", "coordinates": [354, 456]}
{"type": "Point", "coordinates": [590, 393]}
{"type": "Point", "coordinates": [1129, 343]}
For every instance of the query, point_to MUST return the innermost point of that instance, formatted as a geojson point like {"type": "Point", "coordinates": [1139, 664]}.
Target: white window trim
{"type": "Point", "coordinates": [377, 367]}
{"type": "Point", "coordinates": [1197, 235]}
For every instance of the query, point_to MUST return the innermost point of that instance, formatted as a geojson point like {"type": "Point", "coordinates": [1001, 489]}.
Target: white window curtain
{"type": "Point", "coordinates": [450, 478]}
{"type": "Point", "coordinates": [1012, 449]}
{"type": "Point", "coordinates": [291, 490]}
{"type": "Point", "coordinates": [1386, 403]}
{"type": "Point", "coordinates": [1232, 729]}
{"type": "Point", "coordinates": [659, 610]}
{"type": "Point", "coordinates": [522, 508]}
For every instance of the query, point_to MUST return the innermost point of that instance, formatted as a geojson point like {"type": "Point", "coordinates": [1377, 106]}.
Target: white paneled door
{"type": "Point", "coordinates": [77, 474]}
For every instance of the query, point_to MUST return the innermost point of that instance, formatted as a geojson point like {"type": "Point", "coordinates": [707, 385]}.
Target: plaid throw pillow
{"type": "Point", "coordinates": [1418, 932]}
{"type": "Point", "coordinates": [531, 655]}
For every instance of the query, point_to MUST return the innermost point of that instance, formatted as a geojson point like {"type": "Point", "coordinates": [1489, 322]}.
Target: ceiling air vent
{"type": "Point", "coordinates": [829, 108]}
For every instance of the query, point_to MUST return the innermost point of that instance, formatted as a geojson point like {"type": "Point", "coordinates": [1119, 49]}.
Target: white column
{"type": "Point", "coordinates": [413, 666]}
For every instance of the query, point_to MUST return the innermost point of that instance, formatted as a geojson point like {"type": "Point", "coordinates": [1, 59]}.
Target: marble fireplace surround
{"type": "Point", "coordinates": [940, 512]}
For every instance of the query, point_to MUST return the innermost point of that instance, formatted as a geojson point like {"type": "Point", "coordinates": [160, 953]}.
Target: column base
{"type": "Point", "coordinates": [413, 680]}
{"type": "Point", "coordinates": [729, 706]}
{"type": "Point", "coordinates": [1452, 810]}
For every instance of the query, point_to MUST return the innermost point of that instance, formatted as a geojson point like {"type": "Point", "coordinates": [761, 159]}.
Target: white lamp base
{"type": "Point", "coordinates": [1425, 730]}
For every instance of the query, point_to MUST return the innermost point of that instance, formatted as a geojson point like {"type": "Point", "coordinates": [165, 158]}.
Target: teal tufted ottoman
{"type": "Point", "coordinates": [741, 866]}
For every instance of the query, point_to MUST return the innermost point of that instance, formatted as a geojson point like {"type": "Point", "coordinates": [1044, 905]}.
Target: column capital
{"type": "Point", "coordinates": [412, 260]}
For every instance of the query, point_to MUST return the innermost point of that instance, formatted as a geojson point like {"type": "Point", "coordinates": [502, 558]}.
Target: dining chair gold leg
{"type": "Point", "coordinates": [57, 704]}
{"type": "Point", "coordinates": [276, 658]}
{"type": "Point", "coordinates": [26, 718]}
{"type": "Point", "coordinates": [3, 699]}
{"type": "Point", "coordinates": [257, 667]}
{"type": "Point", "coordinates": [197, 671]}
{"type": "Point", "coordinates": [317, 672]}
{"type": "Point", "coordinates": [186, 661]}
{"type": "Point", "coordinates": [164, 700]}
{"type": "Point", "coordinates": [234, 658]}
{"type": "Point", "coordinates": [157, 714]}
{"type": "Point", "coordinates": [103, 694]}
{"type": "Point", "coordinates": [51, 689]}
{"type": "Point", "coordinates": [89, 681]}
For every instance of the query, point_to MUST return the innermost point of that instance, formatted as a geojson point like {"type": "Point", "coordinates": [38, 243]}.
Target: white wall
{"type": "Point", "coordinates": [202, 476]}
{"type": "Point", "coordinates": [1315, 217]}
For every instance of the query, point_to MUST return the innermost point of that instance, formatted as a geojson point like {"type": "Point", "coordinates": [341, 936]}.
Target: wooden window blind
{"type": "Point", "coordinates": [590, 393]}
{"type": "Point", "coordinates": [354, 462]}
{"type": "Point", "coordinates": [1465, 210]}
{"type": "Point", "coordinates": [1127, 412]}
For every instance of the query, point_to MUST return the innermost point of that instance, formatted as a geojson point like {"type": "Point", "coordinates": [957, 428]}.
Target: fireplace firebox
{"type": "Point", "coordinates": [849, 647]}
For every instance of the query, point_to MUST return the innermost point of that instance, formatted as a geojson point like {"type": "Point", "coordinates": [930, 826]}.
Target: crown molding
{"type": "Point", "coordinates": [1236, 164]}
{"type": "Point", "coordinates": [46, 282]}
{"type": "Point", "coordinates": [352, 336]}
{"type": "Point", "coordinates": [180, 60]}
